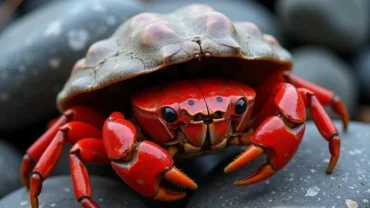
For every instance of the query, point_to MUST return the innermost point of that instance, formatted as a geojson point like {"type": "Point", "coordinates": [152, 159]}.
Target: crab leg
{"type": "Point", "coordinates": [325, 96]}
{"type": "Point", "coordinates": [87, 150]}
{"type": "Point", "coordinates": [324, 125]}
{"type": "Point", "coordinates": [70, 132]}
{"type": "Point", "coordinates": [33, 154]}
{"type": "Point", "coordinates": [141, 165]}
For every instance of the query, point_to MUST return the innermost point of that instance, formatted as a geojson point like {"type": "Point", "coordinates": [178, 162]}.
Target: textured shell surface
{"type": "Point", "coordinates": [149, 42]}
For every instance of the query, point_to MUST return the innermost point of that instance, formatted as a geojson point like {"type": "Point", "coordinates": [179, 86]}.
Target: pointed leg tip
{"type": "Point", "coordinates": [241, 183]}
{"type": "Point", "coordinates": [165, 194]}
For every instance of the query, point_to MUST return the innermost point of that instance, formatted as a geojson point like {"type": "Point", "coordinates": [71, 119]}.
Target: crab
{"type": "Point", "coordinates": [180, 84]}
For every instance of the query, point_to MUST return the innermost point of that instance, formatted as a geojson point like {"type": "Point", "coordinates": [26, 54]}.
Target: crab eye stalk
{"type": "Point", "coordinates": [240, 106]}
{"type": "Point", "coordinates": [169, 114]}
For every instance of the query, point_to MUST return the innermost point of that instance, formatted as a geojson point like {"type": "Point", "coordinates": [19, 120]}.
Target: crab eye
{"type": "Point", "coordinates": [169, 114]}
{"type": "Point", "coordinates": [197, 117]}
{"type": "Point", "coordinates": [218, 115]}
{"type": "Point", "coordinates": [240, 106]}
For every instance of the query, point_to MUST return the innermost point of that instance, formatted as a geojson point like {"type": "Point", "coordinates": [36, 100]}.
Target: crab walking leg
{"type": "Point", "coordinates": [324, 125]}
{"type": "Point", "coordinates": [325, 96]}
{"type": "Point", "coordinates": [141, 165]}
{"type": "Point", "coordinates": [71, 133]}
{"type": "Point", "coordinates": [278, 136]}
{"type": "Point", "coordinates": [33, 154]}
{"type": "Point", "coordinates": [89, 150]}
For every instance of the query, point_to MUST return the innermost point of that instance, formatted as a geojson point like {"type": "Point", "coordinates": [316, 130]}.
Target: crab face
{"type": "Point", "coordinates": [199, 114]}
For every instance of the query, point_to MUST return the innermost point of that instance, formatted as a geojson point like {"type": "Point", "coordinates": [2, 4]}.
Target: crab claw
{"type": "Point", "coordinates": [143, 173]}
{"type": "Point", "coordinates": [277, 141]}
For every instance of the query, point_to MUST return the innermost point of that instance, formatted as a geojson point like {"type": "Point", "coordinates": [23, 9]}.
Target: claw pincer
{"type": "Point", "coordinates": [142, 164]}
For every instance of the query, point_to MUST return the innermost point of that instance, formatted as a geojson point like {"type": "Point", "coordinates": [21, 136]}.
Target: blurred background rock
{"type": "Point", "coordinates": [40, 40]}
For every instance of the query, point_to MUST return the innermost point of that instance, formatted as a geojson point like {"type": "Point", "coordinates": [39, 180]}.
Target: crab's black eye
{"type": "Point", "coordinates": [218, 115]}
{"type": "Point", "coordinates": [240, 106]}
{"type": "Point", "coordinates": [169, 114]}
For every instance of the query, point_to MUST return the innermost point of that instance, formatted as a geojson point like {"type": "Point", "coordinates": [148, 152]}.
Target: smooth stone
{"type": "Point", "coordinates": [303, 182]}
{"type": "Point", "coordinates": [323, 67]}
{"type": "Point", "coordinates": [238, 10]}
{"type": "Point", "coordinates": [338, 24]}
{"type": "Point", "coordinates": [48, 43]}
{"type": "Point", "coordinates": [362, 69]}
{"type": "Point", "coordinates": [10, 159]}
{"type": "Point", "coordinates": [57, 192]}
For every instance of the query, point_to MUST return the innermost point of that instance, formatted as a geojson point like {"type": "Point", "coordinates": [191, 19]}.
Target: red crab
{"type": "Point", "coordinates": [183, 117]}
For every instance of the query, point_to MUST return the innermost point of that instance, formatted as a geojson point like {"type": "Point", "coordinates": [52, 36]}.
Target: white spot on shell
{"type": "Point", "coordinates": [77, 39]}
{"type": "Point", "coordinates": [111, 20]}
{"type": "Point", "coordinates": [313, 191]}
{"type": "Point", "coordinates": [351, 203]}
{"type": "Point", "coordinates": [54, 63]}
{"type": "Point", "coordinates": [54, 29]}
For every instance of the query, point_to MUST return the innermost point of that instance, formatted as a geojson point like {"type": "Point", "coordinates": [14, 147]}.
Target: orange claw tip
{"type": "Point", "coordinates": [34, 202]}
{"type": "Point", "coordinates": [260, 174]}
{"type": "Point", "coordinates": [176, 176]}
{"type": "Point", "coordinates": [250, 154]}
{"type": "Point", "coordinates": [165, 194]}
{"type": "Point", "coordinates": [332, 164]}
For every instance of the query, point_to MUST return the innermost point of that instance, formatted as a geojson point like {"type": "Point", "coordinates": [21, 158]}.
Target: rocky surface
{"type": "Point", "coordinates": [237, 11]}
{"type": "Point", "coordinates": [323, 67]}
{"type": "Point", "coordinates": [303, 182]}
{"type": "Point", "coordinates": [10, 159]}
{"type": "Point", "coordinates": [41, 49]}
{"type": "Point", "coordinates": [338, 24]}
{"type": "Point", "coordinates": [57, 192]}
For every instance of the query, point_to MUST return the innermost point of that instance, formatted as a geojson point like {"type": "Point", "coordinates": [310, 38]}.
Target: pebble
{"type": "Point", "coordinates": [362, 69]}
{"type": "Point", "coordinates": [322, 66]}
{"type": "Point", "coordinates": [296, 185]}
{"type": "Point", "coordinates": [341, 25]}
{"type": "Point", "coordinates": [41, 49]}
{"type": "Point", "coordinates": [10, 160]}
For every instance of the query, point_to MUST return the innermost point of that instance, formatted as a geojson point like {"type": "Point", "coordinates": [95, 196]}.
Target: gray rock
{"type": "Point", "coordinates": [10, 159]}
{"type": "Point", "coordinates": [321, 66]}
{"type": "Point", "coordinates": [303, 182]}
{"type": "Point", "coordinates": [41, 49]}
{"type": "Point", "coordinates": [339, 24]}
{"type": "Point", "coordinates": [57, 192]}
{"type": "Point", "coordinates": [237, 11]}
{"type": "Point", "coordinates": [362, 69]}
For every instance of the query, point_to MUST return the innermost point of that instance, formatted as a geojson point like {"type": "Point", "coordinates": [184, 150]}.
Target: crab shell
{"type": "Point", "coordinates": [151, 48]}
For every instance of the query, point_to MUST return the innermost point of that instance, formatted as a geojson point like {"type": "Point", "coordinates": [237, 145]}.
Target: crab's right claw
{"type": "Point", "coordinates": [143, 173]}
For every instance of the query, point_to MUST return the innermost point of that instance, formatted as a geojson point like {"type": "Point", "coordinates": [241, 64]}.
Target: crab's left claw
{"type": "Point", "coordinates": [274, 138]}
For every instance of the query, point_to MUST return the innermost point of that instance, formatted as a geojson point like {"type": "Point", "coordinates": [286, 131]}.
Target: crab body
{"type": "Point", "coordinates": [181, 90]}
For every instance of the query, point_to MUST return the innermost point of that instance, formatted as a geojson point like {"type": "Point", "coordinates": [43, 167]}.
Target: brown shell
{"type": "Point", "coordinates": [149, 42]}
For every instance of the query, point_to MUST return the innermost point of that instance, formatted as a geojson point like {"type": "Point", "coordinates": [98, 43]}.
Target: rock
{"type": "Point", "coordinates": [362, 69]}
{"type": "Point", "coordinates": [303, 182]}
{"type": "Point", "coordinates": [10, 159]}
{"type": "Point", "coordinates": [321, 66]}
{"type": "Point", "coordinates": [57, 192]}
{"type": "Point", "coordinates": [339, 24]}
{"type": "Point", "coordinates": [48, 42]}
{"type": "Point", "coordinates": [237, 11]}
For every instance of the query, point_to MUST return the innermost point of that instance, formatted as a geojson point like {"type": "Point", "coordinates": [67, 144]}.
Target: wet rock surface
{"type": "Point", "coordinates": [303, 182]}
{"type": "Point", "coordinates": [236, 11]}
{"type": "Point", "coordinates": [57, 192]}
{"type": "Point", "coordinates": [323, 67]}
{"type": "Point", "coordinates": [41, 49]}
{"type": "Point", "coordinates": [338, 24]}
{"type": "Point", "coordinates": [10, 160]}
